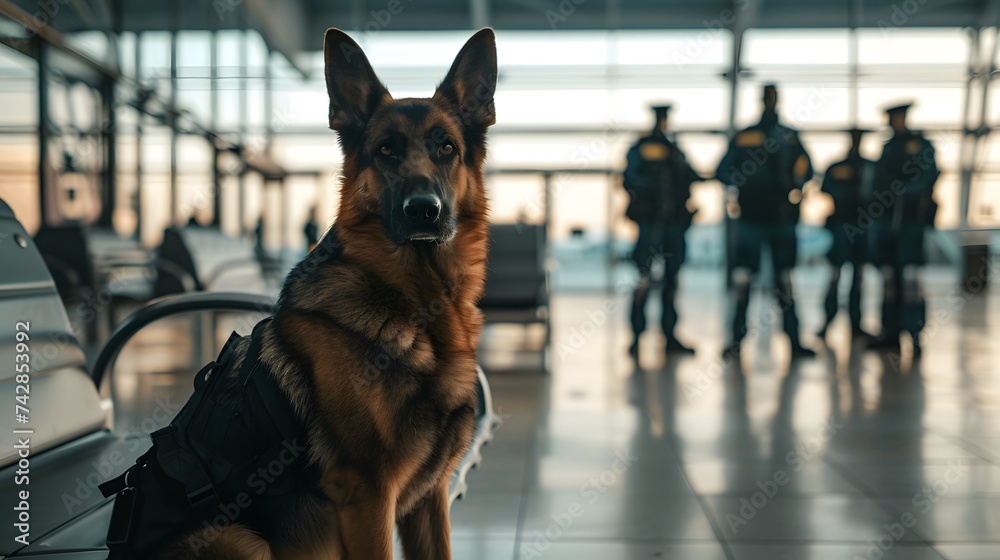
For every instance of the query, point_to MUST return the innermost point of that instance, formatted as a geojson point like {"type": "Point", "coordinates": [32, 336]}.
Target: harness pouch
{"type": "Point", "coordinates": [148, 514]}
{"type": "Point", "coordinates": [201, 459]}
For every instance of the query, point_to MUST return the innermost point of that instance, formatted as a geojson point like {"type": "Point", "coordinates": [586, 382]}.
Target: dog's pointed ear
{"type": "Point", "coordinates": [472, 81]}
{"type": "Point", "coordinates": [355, 91]}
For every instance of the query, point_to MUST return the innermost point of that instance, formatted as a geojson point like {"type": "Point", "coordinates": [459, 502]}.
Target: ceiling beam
{"type": "Point", "coordinates": [81, 64]}
{"type": "Point", "coordinates": [282, 25]}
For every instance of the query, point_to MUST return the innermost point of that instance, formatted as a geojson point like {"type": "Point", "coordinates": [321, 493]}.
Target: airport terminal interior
{"type": "Point", "coordinates": [676, 363]}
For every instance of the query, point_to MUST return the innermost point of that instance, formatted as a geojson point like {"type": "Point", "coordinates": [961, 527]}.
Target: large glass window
{"type": "Point", "coordinates": [18, 140]}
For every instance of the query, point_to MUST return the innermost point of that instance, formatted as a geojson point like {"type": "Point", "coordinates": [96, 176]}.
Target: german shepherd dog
{"type": "Point", "coordinates": [374, 341]}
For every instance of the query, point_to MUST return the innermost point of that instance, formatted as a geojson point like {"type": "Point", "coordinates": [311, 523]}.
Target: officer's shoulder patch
{"type": "Point", "coordinates": [654, 151]}
{"type": "Point", "coordinates": [750, 138]}
{"type": "Point", "coordinates": [801, 166]}
{"type": "Point", "coordinates": [842, 172]}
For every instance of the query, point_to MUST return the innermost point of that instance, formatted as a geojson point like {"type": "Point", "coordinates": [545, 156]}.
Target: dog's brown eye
{"type": "Point", "coordinates": [385, 151]}
{"type": "Point", "coordinates": [446, 149]}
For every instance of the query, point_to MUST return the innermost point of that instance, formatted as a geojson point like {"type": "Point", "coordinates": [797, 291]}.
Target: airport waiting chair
{"type": "Point", "coordinates": [73, 447]}
{"type": "Point", "coordinates": [89, 265]}
{"type": "Point", "coordinates": [517, 279]}
{"type": "Point", "coordinates": [208, 260]}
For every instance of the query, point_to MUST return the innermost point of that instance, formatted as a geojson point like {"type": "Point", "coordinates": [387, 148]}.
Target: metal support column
{"type": "Point", "coordinates": [174, 25]}
{"type": "Point", "coordinates": [138, 140]}
{"type": "Point", "coordinates": [214, 124]}
{"type": "Point", "coordinates": [109, 193]}
{"type": "Point", "coordinates": [982, 130]}
{"type": "Point", "coordinates": [43, 131]}
{"type": "Point", "coordinates": [244, 117]}
{"type": "Point", "coordinates": [268, 106]}
{"type": "Point", "coordinates": [744, 16]}
{"type": "Point", "coordinates": [854, 20]}
{"type": "Point", "coordinates": [966, 153]}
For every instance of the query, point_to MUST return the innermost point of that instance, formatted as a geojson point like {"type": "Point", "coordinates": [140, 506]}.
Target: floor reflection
{"type": "Point", "coordinates": [849, 455]}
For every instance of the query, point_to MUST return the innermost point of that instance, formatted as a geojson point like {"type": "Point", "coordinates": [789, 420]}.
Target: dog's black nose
{"type": "Point", "coordinates": [422, 207]}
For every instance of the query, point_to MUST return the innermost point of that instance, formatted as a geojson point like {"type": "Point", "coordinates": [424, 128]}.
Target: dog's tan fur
{"type": "Point", "coordinates": [375, 341]}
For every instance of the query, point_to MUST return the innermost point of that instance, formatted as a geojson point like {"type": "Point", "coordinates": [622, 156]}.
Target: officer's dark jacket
{"type": "Point", "coordinates": [765, 163]}
{"type": "Point", "coordinates": [658, 179]}
{"type": "Point", "coordinates": [904, 180]}
{"type": "Point", "coordinates": [849, 183]}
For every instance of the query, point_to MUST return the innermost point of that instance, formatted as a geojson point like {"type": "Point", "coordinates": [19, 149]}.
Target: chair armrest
{"type": "Point", "coordinates": [169, 267]}
{"type": "Point", "coordinates": [174, 305]}
{"type": "Point", "coordinates": [228, 266]}
{"type": "Point", "coordinates": [486, 422]}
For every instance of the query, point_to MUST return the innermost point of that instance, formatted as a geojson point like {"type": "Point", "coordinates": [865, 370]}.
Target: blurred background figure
{"type": "Point", "coordinates": [849, 183]}
{"type": "Point", "coordinates": [658, 180]}
{"type": "Point", "coordinates": [311, 230]}
{"type": "Point", "coordinates": [904, 186]}
{"type": "Point", "coordinates": [767, 166]}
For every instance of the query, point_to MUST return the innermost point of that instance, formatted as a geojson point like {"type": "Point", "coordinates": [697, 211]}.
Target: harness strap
{"type": "Point", "coordinates": [181, 465]}
{"type": "Point", "coordinates": [262, 392]}
{"type": "Point", "coordinates": [121, 482]}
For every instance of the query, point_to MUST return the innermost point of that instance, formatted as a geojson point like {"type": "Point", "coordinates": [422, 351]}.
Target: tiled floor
{"type": "Point", "coordinates": [851, 455]}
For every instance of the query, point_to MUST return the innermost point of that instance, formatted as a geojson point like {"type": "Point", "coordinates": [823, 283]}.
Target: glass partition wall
{"type": "Point", "coordinates": [193, 107]}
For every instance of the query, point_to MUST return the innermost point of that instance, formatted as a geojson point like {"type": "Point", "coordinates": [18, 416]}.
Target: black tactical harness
{"type": "Point", "coordinates": [220, 454]}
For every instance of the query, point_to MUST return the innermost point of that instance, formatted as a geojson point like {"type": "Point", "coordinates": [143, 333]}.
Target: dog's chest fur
{"type": "Point", "coordinates": [383, 369]}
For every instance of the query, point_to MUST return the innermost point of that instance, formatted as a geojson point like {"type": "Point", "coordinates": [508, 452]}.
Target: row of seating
{"type": "Point", "coordinates": [73, 447]}
{"type": "Point", "coordinates": [97, 273]}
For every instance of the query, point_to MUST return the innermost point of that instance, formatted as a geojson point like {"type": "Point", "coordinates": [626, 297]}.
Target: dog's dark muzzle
{"type": "Point", "coordinates": [422, 209]}
{"type": "Point", "coordinates": [419, 212]}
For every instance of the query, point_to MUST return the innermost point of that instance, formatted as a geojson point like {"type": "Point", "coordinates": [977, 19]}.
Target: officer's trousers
{"type": "Point", "coordinates": [750, 240]}
{"type": "Point", "coordinates": [848, 247]}
{"type": "Point", "coordinates": [656, 242]}
{"type": "Point", "coordinates": [899, 254]}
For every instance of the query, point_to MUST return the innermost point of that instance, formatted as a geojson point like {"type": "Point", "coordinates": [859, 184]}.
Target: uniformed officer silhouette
{"type": "Point", "coordinates": [849, 183]}
{"type": "Point", "coordinates": [904, 189]}
{"type": "Point", "coordinates": [658, 180]}
{"type": "Point", "coordinates": [311, 230]}
{"type": "Point", "coordinates": [765, 168]}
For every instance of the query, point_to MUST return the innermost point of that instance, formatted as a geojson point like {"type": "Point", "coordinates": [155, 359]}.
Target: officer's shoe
{"type": "Point", "coordinates": [821, 334]}
{"type": "Point", "coordinates": [674, 345]}
{"type": "Point", "coordinates": [633, 349]}
{"type": "Point", "coordinates": [884, 342]}
{"type": "Point", "coordinates": [861, 334]}
{"type": "Point", "coordinates": [799, 351]}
